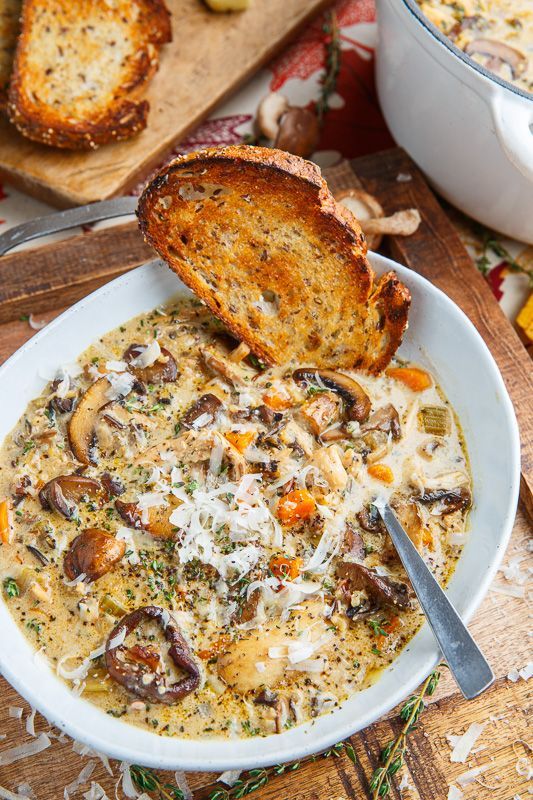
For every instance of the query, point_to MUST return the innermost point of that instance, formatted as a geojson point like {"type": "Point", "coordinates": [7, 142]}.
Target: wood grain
{"type": "Point", "coordinates": [500, 625]}
{"type": "Point", "coordinates": [211, 54]}
{"type": "Point", "coordinates": [63, 272]}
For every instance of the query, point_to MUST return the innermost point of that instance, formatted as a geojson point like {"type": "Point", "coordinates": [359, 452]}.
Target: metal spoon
{"type": "Point", "coordinates": [464, 658]}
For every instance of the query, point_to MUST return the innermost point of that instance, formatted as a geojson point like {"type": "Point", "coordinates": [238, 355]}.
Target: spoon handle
{"type": "Point", "coordinates": [464, 658]}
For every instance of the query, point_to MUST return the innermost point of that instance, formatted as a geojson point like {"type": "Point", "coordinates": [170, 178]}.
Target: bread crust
{"type": "Point", "coordinates": [80, 111]}
{"type": "Point", "coordinates": [257, 235]}
{"type": "Point", "coordinates": [9, 30]}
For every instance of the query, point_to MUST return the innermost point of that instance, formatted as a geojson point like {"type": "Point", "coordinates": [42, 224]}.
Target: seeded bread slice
{"type": "Point", "coordinates": [81, 67]}
{"type": "Point", "coordinates": [9, 30]}
{"type": "Point", "coordinates": [259, 237]}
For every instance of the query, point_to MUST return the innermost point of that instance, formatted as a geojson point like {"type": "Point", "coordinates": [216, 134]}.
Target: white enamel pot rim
{"type": "Point", "coordinates": [436, 33]}
{"type": "Point", "coordinates": [472, 382]}
{"type": "Point", "coordinates": [511, 107]}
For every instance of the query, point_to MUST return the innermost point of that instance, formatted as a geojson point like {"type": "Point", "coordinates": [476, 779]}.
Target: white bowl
{"type": "Point", "coordinates": [439, 336]}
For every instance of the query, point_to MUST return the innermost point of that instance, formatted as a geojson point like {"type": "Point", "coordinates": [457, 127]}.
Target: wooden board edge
{"type": "Point", "coordinates": [61, 273]}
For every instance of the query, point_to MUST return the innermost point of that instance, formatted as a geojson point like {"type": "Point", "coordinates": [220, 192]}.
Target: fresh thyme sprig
{"type": "Point", "coordinates": [491, 244]}
{"type": "Point", "coordinates": [392, 755]}
{"type": "Point", "coordinates": [147, 781]}
{"type": "Point", "coordinates": [333, 65]}
{"type": "Point", "coordinates": [257, 778]}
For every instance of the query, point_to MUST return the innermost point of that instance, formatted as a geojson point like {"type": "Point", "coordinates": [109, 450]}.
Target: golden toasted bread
{"type": "Point", "coordinates": [81, 67]}
{"type": "Point", "coordinates": [258, 236]}
{"type": "Point", "coordinates": [9, 30]}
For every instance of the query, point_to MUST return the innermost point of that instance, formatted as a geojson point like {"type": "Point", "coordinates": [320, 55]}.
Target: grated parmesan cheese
{"type": "Point", "coordinates": [30, 722]}
{"type": "Point", "coordinates": [510, 591]}
{"type": "Point", "coordinates": [24, 750]}
{"type": "Point", "coordinates": [470, 776]}
{"type": "Point", "coordinates": [5, 794]}
{"type": "Point", "coordinates": [120, 385]}
{"type": "Point", "coordinates": [116, 366]}
{"type": "Point", "coordinates": [454, 793]}
{"type": "Point", "coordinates": [96, 792]}
{"type": "Point", "coordinates": [148, 355]}
{"type": "Point", "coordinates": [230, 777]}
{"type": "Point", "coordinates": [181, 783]}
{"type": "Point", "coordinates": [82, 778]}
{"type": "Point", "coordinates": [127, 783]}
{"type": "Point", "coordinates": [464, 744]}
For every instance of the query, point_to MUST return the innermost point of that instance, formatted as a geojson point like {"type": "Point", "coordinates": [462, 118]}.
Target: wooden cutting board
{"type": "Point", "coordinates": [210, 55]}
{"type": "Point", "coordinates": [57, 274]}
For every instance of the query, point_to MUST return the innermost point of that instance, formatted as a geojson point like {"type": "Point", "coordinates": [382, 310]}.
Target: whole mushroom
{"type": "Point", "coordinates": [299, 132]}
{"type": "Point", "coordinates": [92, 553]}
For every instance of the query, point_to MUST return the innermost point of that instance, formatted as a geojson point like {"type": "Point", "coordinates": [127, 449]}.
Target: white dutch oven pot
{"type": "Point", "coordinates": [468, 130]}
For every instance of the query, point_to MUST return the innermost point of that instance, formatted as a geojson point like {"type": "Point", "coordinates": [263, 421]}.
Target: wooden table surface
{"type": "Point", "coordinates": [501, 624]}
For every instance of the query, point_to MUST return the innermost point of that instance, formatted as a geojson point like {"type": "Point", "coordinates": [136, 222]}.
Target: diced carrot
{"type": "Point", "coordinates": [285, 568]}
{"type": "Point", "coordinates": [240, 440]}
{"type": "Point", "coordinates": [381, 472]}
{"type": "Point", "coordinates": [6, 530]}
{"type": "Point", "coordinates": [218, 647]}
{"type": "Point", "coordinates": [427, 539]}
{"type": "Point", "coordinates": [414, 378]}
{"type": "Point", "coordinates": [525, 318]}
{"type": "Point", "coordinates": [295, 506]}
{"type": "Point", "coordinates": [277, 401]}
{"type": "Point", "coordinates": [389, 627]}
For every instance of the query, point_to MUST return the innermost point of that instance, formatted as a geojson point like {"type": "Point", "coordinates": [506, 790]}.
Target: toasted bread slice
{"type": "Point", "coordinates": [80, 68]}
{"type": "Point", "coordinates": [9, 30]}
{"type": "Point", "coordinates": [259, 237]}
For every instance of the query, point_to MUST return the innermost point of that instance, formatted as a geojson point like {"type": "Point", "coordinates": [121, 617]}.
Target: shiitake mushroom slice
{"type": "Point", "coordinates": [138, 671]}
{"type": "Point", "coordinates": [63, 493]}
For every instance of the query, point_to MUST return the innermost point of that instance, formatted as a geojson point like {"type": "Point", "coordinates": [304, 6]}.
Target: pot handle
{"type": "Point", "coordinates": [513, 126]}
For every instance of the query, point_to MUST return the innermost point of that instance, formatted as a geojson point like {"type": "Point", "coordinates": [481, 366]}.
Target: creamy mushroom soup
{"type": "Point", "coordinates": [190, 539]}
{"type": "Point", "coordinates": [498, 34]}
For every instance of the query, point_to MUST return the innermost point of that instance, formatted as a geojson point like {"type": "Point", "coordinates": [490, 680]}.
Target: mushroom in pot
{"type": "Point", "coordinates": [356, 401]}
{"type": "Point", "coordinates": [158, 523]}
{"type": "Point", "coordinates": [232, 373]}
{"type": "Point", "coordinates": [352, 545]}
{"type": "Point", "coordinates": [446, 501]}
{"type": "Point", "coordinates": [202, 412]}
{"type": "Point", "coordinates": [379, 588]}
{"type": "Point", "coordinates": [82, 424]}
{"type": "Point", "coordinates": [92, 553]}
{"type": "Point", "coordinates": [62, 494]}
{"type": "Point", "coordinates": [163, 369]}
{"type": "Point", "coordinates": [140, 669]}
{"type": "Point", "coordinates": [385, 419]}
{"type": "Point", "coordinates": [498, 54]}
{"type": "Point", "coordinates": [370, 520]}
